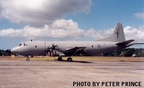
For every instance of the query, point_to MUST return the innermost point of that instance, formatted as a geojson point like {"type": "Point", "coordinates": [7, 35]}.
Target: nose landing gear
{"type": "Point", "coordinates": [27, 59]}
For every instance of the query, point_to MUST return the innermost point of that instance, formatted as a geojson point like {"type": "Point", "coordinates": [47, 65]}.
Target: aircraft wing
{"type": "Point", "coordinates": [75, 50]}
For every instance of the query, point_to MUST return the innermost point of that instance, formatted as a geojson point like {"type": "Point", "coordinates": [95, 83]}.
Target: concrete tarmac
{"type": "Point", "coordinates": [77, 74]}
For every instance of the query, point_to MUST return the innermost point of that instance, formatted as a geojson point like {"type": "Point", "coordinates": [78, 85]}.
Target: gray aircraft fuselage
{"type": "Point", "coordinates": [40, 47]}
{"type": "Point", "coordinates": [70, 48]}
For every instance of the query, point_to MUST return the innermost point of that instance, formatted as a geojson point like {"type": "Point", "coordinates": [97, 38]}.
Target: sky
{"type": "Point", "coordinates": [68, 20]}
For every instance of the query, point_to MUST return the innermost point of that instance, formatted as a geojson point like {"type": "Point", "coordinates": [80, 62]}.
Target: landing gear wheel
{"type": "Point", "coordinates": [59, 58]}
{"type": "Point", "coordinates": [69, 59]}
{"type": "Point", "coordinates": [27, 59]}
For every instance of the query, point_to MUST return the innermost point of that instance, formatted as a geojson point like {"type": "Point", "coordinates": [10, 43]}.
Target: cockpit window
{"type": "Point", "coordinates": [20, 44]}
{"type": "Point", "coordinates": [23, 44]}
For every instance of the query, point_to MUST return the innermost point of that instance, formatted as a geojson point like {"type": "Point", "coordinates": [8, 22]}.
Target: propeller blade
{"type": "Point", "coordinates": [52, 50]}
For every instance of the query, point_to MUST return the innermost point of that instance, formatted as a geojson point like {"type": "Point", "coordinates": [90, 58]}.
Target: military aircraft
{"type": "Point", "coordinates": [69, 48]}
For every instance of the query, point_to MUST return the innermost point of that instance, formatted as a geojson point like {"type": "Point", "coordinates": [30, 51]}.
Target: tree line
{"type": "Point", "coordinates": [127, 52]}
{"type": "Point", "coordinates": [5, 52]}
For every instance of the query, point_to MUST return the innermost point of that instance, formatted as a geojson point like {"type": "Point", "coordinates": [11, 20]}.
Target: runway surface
{"type": "Point", "coordinates": [54, 74]}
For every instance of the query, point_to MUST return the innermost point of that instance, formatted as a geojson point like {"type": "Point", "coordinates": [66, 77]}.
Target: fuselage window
{"type": "Point", "coordinates": [92, 46]}
{"type": "Point", "coordinates": [23, 44]}
{"type": "Point", "coordinates": [35, 46]}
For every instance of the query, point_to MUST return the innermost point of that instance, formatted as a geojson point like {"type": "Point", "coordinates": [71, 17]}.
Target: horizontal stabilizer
{"type": "Point", "coordinates": [125, 43]}
{"type": "Point", "coordinates": [136, 44]}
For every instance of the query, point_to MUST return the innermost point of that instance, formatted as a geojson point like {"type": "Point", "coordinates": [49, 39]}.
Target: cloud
{"type": "Point", "coordinates": [69, 30]}
{"type": "Point", "coordinates": [140, 15]}
{"type": "Point", "coordinates": [98, 34]}
{"type": "Point", "coordinates": [134, 33]}
{"type": "Point", "coordinates": [40, 12]}
{"type": "Point", "coordinates": [59, 29]}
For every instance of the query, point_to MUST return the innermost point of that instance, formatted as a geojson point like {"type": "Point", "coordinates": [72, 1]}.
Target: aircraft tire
{"type": "Point", "coordinates": [59, 58]}
{"type": "Point", "coordinates": [69, 59]}
{"type": "Point", "coordinates": [27, 59]}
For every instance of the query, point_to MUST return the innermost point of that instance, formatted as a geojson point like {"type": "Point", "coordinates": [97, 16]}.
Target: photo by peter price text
{"type": "Point", "coordinates": [107, 84]}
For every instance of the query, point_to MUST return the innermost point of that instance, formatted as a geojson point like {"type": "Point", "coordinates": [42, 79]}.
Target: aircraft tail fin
{"type": "Point", "coordinates": [117, 36]}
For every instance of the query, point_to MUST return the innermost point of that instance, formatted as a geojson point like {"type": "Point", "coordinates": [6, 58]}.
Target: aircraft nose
{"type": "Point", "coordinates": [14, 50]}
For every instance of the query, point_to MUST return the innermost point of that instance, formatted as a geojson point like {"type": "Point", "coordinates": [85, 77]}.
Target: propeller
{"type": "Point", "coordinates": [52, 50]}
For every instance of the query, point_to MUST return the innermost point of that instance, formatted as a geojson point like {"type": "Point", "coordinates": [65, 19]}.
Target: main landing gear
{"type": "Point", "coordinates": [69, 59]}
{"type": "Point", "coordinates": [60, 58]}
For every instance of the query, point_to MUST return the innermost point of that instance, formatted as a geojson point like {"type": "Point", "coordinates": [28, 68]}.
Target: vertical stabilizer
{"type": "Point", "coordinates": [117, 36]}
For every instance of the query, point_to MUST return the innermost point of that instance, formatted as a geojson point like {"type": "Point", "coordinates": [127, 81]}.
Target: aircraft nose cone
{"type": "Point", "coordinates": [14, 50]}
